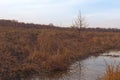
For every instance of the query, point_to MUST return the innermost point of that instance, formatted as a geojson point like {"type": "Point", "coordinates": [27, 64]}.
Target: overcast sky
{"type": "Point", "coordinates": [98, 13]}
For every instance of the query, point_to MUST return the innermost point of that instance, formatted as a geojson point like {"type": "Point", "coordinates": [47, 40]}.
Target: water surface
{"type": "Point", "coordinates": [89, 69]}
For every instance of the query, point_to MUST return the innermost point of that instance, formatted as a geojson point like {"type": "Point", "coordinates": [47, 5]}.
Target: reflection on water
{"type": "Point", "coordinates": [89, 69]}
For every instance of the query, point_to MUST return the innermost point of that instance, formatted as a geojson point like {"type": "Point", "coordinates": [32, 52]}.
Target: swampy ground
{"type": "Point", "coordinates": [102, 67]}
{"type": "Point", "coordinates": [25, 51]}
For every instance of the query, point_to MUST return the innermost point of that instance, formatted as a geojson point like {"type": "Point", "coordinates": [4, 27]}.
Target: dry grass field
{"type": "Point", "coordinates": [112, 73]}
{"type": "Point", "coordinates": [27, 51]}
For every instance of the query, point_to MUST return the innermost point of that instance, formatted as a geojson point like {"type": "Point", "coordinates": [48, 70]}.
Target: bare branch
{"type": "Point", "coordinates": [79, 22]}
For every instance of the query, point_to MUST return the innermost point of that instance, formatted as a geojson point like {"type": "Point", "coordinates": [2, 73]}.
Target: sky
{"type": "Point", "coordinates": [97, 13]}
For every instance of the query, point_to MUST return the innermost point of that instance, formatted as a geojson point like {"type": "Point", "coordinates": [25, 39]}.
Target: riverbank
{"type": "Point", "coordinates": [34, 51]}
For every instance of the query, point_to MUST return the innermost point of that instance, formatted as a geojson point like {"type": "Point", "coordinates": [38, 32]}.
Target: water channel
{"type": "Point", "coordinates": [91, 68]}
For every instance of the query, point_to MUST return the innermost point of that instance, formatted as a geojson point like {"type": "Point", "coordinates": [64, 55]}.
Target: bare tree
{"type": "Point", "coordinates": [79, 22]}
{"type": "Point", "coordinates": [51, 24]}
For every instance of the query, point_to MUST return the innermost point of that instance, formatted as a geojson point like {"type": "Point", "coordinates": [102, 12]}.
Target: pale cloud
{"type": "Point", "coordinates": [14, 1]}
{"type": "Point", "coordinates": [108, 19]}
{"type": "Point", "coordinates": [60, 11]}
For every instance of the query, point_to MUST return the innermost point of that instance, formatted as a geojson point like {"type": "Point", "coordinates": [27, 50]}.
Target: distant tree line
{"type": "Point", "coordinates": [15, 23]}
{"type": "Point", "coordinates": [101, 29]}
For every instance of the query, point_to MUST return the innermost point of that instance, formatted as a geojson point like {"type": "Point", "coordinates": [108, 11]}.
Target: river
{"type": "Point", "coordinates": [91, 68]}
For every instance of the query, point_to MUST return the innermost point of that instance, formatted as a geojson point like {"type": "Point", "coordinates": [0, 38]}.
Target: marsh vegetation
{"type": "Point", "coordinates": [25, 51]}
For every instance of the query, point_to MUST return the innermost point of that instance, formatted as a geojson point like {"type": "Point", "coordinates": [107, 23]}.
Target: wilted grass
{"type": "Point", "coordinates": [112, 73]}
{"type": "Point", "coordinates": [24, 52]}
